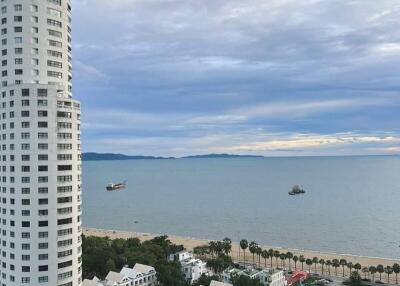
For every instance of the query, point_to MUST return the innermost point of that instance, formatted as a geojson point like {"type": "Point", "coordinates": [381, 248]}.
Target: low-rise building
{"type": "Point", "coordinates": [139, 275]}
{"type": "Point", "coordinates": [192, 267]}
{"type": "Point", "coordinates": [267, 277]}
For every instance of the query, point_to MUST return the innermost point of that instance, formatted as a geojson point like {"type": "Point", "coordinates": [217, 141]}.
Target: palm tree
{"type": "Point", "coordinates": [365, 270]}
{"type": "Point", "coordinates": [295, 259]}
{"type": "Point", "coordinates": [322, 262]}
{"type": "Point", "coordinates": [315, 261]}
{"type": "Point", "coordinates": [259, 251]}
{"type": "Point", "coordinates": [243, 245]}
{"type": "Point", "coordinates": [357, 267]}
{"type": "Point", "coordinates": [227, 245]}
{"type": "Point", "coordinates": [380, 270]}
{"type": "Point", "coordinates": [329, 263]}
{"type": "Point", "coordinates": [276, 255]}
{"type": "Point", "coordinates": [253, 248]}
{"type": "Point", "coordinates": [283, 259]}
{"type": "Point", "coordinates": [302, 259]}
{"type": "Point", "coordinates": [212, 246]}
{"type": "Point", "coordinates": [396, 270]}
{"type": "Point", "coordinates": [265, 255]}
{"type": "Point", "coordinates": [350, 266]}
{"type": "Point", "coordinates": [309, 262]}
{"type": "Point", "coordinates": [372, 270]}
{"type": "Point", "coordinates": [335, 264]}
{"type": "Point", "coordinates": [343, 263]}
{"type": "Point", "coordinates": [271, 254]}
{"type": "Point", "coordinates": [289, 256]}
{"type": "Point", "coordinates": [388, 271]}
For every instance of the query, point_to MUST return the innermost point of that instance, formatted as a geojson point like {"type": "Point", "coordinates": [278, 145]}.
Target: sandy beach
{"type": "Point", "coordinates": [190, 243]}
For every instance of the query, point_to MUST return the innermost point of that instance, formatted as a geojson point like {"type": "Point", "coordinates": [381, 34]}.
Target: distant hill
{"type": "Point", "coordinates": [222, 156]}
{"type": "Point", "coordinates": [92, 156]}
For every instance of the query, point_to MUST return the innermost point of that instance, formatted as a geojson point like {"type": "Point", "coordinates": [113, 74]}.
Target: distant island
{"type": "Point", "coordinates": [93, 156]}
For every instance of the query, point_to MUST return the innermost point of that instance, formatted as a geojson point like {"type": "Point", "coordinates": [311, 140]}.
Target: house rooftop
{"type": "Point", "coordinates": [145, 269]}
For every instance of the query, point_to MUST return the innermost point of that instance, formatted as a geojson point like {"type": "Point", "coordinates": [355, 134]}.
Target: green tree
{"type": "Point", "coordinates": [365, 271]}
{"type": "Point", "coordinates": [295, 260]}
{"type": "Point", "coordinates": [276, 255]}
{"type": "Point", "coordinates": [265, 255]}
{"type": "Point", "coordinates": [227, 245]}
{"type": "Point", "coordinates": [315, 261]}
{"type": "Point", "coordinates": [373, 270]}
{"type": "Point", "coordinates": [396, 270]}
{"type": "Point", "coordinates": [259, 252]}
{"type": "Point", "coordinates": [350, 266]}
{"type": "Point", "coordinates": [388, 271]}
{"type": "Point", "coordinates": [205, 280]}
{"type": "Point", "coordinates": [110, 265]}
{"type": "Point", "coordinates": [357, 267]}
{"type": "Point", "coordinates": [343, 263]}
{"type": "Point", "coordinates": [302, 259]}
{"type": "Point", "coordinates": [289, 256]}
{"type": "Point", "coordinates": [380, 269]}
{"type": "Point", "coordinates": [355, 279]}
{"type": "Point", "coordinates": [245, 281]}
{"type": "Point", "coordinates": [282, 257]}
{"type": "Point", "coordinates": [243, 245]}
{"type": "Point", "coordinates": [253, 249]}
{"type": "Point", "coordinates": [271, 255]}
{"type": "Point", "coordinates": [322, 262]}
{"type": "Point", "coordinates": [335, 264]}
{"type": "Point", "coordinates": [309, 262]}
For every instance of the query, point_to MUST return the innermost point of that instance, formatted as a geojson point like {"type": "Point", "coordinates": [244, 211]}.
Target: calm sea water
{"type": "Point", "coordinates": [351, 204]}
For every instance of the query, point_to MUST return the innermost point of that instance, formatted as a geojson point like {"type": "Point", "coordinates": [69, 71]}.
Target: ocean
{"type": "Point", "coordinates": [351, 205]}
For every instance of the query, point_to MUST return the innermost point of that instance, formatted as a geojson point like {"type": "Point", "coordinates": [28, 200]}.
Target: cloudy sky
{"type": "Point", "coordinates": [272, 77]}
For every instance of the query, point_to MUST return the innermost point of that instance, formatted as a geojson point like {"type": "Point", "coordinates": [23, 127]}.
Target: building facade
{"type": "Point", "coordinates": [267, 277]}
{"type": "Point", "coordinates": [192, 267]}
{"type": "Point", "coordinates": [40, 188]}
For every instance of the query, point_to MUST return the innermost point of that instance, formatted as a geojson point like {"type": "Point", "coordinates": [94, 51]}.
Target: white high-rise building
{"type": "Point", "coordinates": [40, 188]}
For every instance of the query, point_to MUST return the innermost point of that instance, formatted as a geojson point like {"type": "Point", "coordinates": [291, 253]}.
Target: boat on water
{"type": "Point", "coordinates": [115, 187]}
{"type": "Point", "coordinates": [296, 190]}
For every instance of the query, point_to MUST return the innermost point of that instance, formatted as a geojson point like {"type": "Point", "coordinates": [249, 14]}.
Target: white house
{"type": "Point", "coordinates": [267, 277]}
{"type": "Point", "coordinates": [139, 275]}
{"type": "Point", "coordinates": [192, 267]}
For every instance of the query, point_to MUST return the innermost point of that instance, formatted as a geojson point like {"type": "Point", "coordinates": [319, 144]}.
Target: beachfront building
{"type": "Point", "coordinates": [139, 275]}
{"type": "Point", "coordinates": [192, 267]}
{"type": "Point", "coordinates": [40, 198]}
{"type": "Point", "coordinates": [267, 277]}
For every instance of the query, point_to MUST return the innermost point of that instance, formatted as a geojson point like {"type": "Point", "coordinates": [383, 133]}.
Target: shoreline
{"type": "Point", "coordinates": [189, 243]}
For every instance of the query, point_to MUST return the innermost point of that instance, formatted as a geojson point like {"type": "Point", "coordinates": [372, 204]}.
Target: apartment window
{"type": "Point", "coordinates": [43, 201]}
{"type": "Point", "coordinates": [43, 268]}
{"type": "Point", "coordinates": [43, 256]}
{"type": "Point", "coordinates": [43, 168]}
{"type": "Point", "coordinates": [18, 40]}
{"type": "Point", "coordinates": [62, 222]}
{"type": "Point", "coordinates": [17, 29]}
{"type": "Point", "coordinates": [17, 18]}
{"type": "Point", "coordinates": [17, 7]}
{"type": "Point", "coordinates": [18, 51]}
{"type": "Point", "coordinates": [43, 245]}
{"type": "Point", "coordinates": [19, 61]}
{"type": "Point", "coordinates": [26, 269]}
{"type": "Point", "coordinates": [41, 92]}
{"type": "Point", "coordinates": [54, 23]}
{"type": "Point", "coordinates": [43, 157]}
{"type": "Point", "coordinates": [54, 74]}
{"type": "Point", "coordinates": [42, 124]}
{"type": "Point", "coordinates": [43, 223]}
